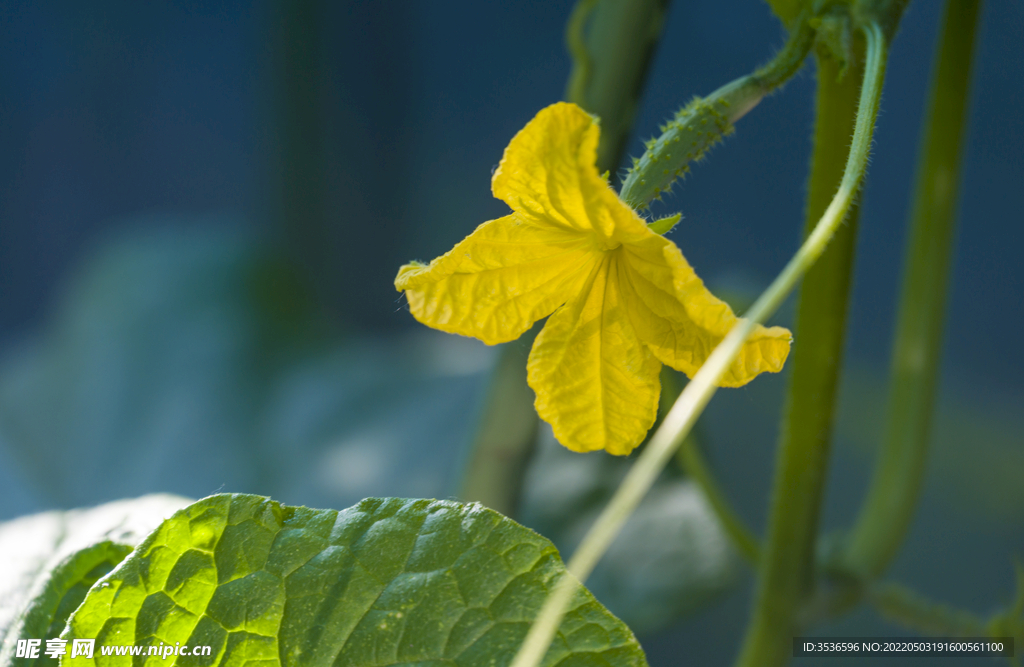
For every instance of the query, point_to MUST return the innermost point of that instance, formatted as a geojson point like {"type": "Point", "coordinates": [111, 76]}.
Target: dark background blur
{"type": "Point", "coordinates": [351, 137]}
{"type": "Point", "coordinates": [114, 109]}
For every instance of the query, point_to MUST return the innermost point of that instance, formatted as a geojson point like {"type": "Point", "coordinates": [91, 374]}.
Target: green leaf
{"type": "Point", "coordinates": [664, 225]}
{"type": "Point", "coordinates": [52, 559]}
{"type": "Point", "coordinates": [385, 582]}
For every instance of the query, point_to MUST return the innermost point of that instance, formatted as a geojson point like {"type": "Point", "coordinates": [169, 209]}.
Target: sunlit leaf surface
{"type": "Point", "coordinates": [50, 560]}
{"type": "Point", "coordinates": [386, 582]}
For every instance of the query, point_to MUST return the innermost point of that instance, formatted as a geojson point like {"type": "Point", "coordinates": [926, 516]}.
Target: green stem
{"type": "Point", "coordinates": [692, 461]}
{"type": "Point", "coordinates": [910, 609]}
{"type": "Point", "coordinates": [790, 58]}
{"type": "Point", "coordinates": [701, 388]}
{"type": "Point", "coordinates": [896, 483]}
{"type": "Point", "coordinates": [704, 121]}
{"type": "Point", "coordinates": [610, 65]}
{"type": "Point", "coordinates": [576, 43]}
{"type": "Point", "coordinates": [786, 566]}
{"type": "Point", "coordinates": [301, 173]}
{"type": "Point", "coordinates": [506, 433]}
{"type": "Point", "coordinates": [901, 605]}
{"type": "Point", "coordinates": [822, 307]}
{"type": "Point", "coordinates": [803, 452]}
{"type": "Point", "coordinates": [697, 468]}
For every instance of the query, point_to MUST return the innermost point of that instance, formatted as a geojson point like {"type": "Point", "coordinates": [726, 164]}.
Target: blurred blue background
{"type": "Point", "coordinates": [203, 206]}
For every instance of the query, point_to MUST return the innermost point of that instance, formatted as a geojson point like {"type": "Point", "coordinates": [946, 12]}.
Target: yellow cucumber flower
{"type": "Point", "coordinates": [622, 299]}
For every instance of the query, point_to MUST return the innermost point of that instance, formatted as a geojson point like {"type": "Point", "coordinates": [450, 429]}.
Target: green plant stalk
{"type": "Point", "coordinates": [576, 43]}
{"type": "Point", "coordinates": [896, 483]}
{"type": "Point", "coordinates": [610, 64]}
{"type": "Point", "coordinates": [787, 566]}
{"type": "Point", "coordinates": [506, 434]}
{"type": "Point", "coordinates": [786, 572]}
{"type": "Point", "coordinates": [694, 398]}
{"type": "Point", "coordinates": [909, 609]}
{"type": "Point", "coordinates": [697, 468]}
{"type": "Point", "coordinates": [301, 172]}
{"type": "Point", "coordinates": [705, 121]}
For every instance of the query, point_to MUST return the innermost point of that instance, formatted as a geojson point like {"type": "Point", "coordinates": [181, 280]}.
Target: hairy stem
{"type": "Point", "coordinates": [703, 122]}
{"type": "Point", "coordinates": [896, 483]}
{"type": "Point", "coordinates": [697, 468]}
{"type": "Point", "coordinates": [909, 609]}
{"type": "Point", "coordinates": [787, 564]}
{"type": "Point", "coordinates": [786, 572]}
{"type": "Point", "coordinates": [698, 392]}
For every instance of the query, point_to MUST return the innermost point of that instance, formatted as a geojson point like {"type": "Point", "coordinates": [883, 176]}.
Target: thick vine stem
{"type": "Point", "coordinates": [692, 401]}
{"type": "Point", "coordinates": [814, 365]}
{"type": "Point", "coordinates": [792, 528]}
{"type": "Point", "coordinates": [896, 483]}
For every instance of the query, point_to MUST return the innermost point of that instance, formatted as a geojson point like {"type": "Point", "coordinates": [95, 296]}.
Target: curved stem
{"type": "Point", "coordinates": [805, 434]}
{"type": "Point", "coordinates": [705, 121]}
{"type": "Point", "coordinates": [576, 42]}
{"type": "Point", "coordinates": [896, 483]}
{"type": "Point", "coordinates": [691, 402]}
{"type": "Point", "coordinates": [909, 609]}
{"type": "Point", "coordinates": [697, 468]}
{"type": "Point", "coordinates": [788, 554]}
{"type": "Point", "coordinates": [790, 58]}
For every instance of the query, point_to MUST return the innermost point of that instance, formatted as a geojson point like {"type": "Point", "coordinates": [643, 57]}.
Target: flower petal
{"type": "Point", "coordinates": [548, 173]}
{"type": "Point", "coordinates": [499, 280]}
{"type": "Point", "coordinates": [596, 383]}
{"type": "Point", "coordinates": [681, 321]}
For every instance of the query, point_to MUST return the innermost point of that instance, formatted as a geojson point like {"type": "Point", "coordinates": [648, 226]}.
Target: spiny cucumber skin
{"type": "Point", "coordinates": [687, 137]}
